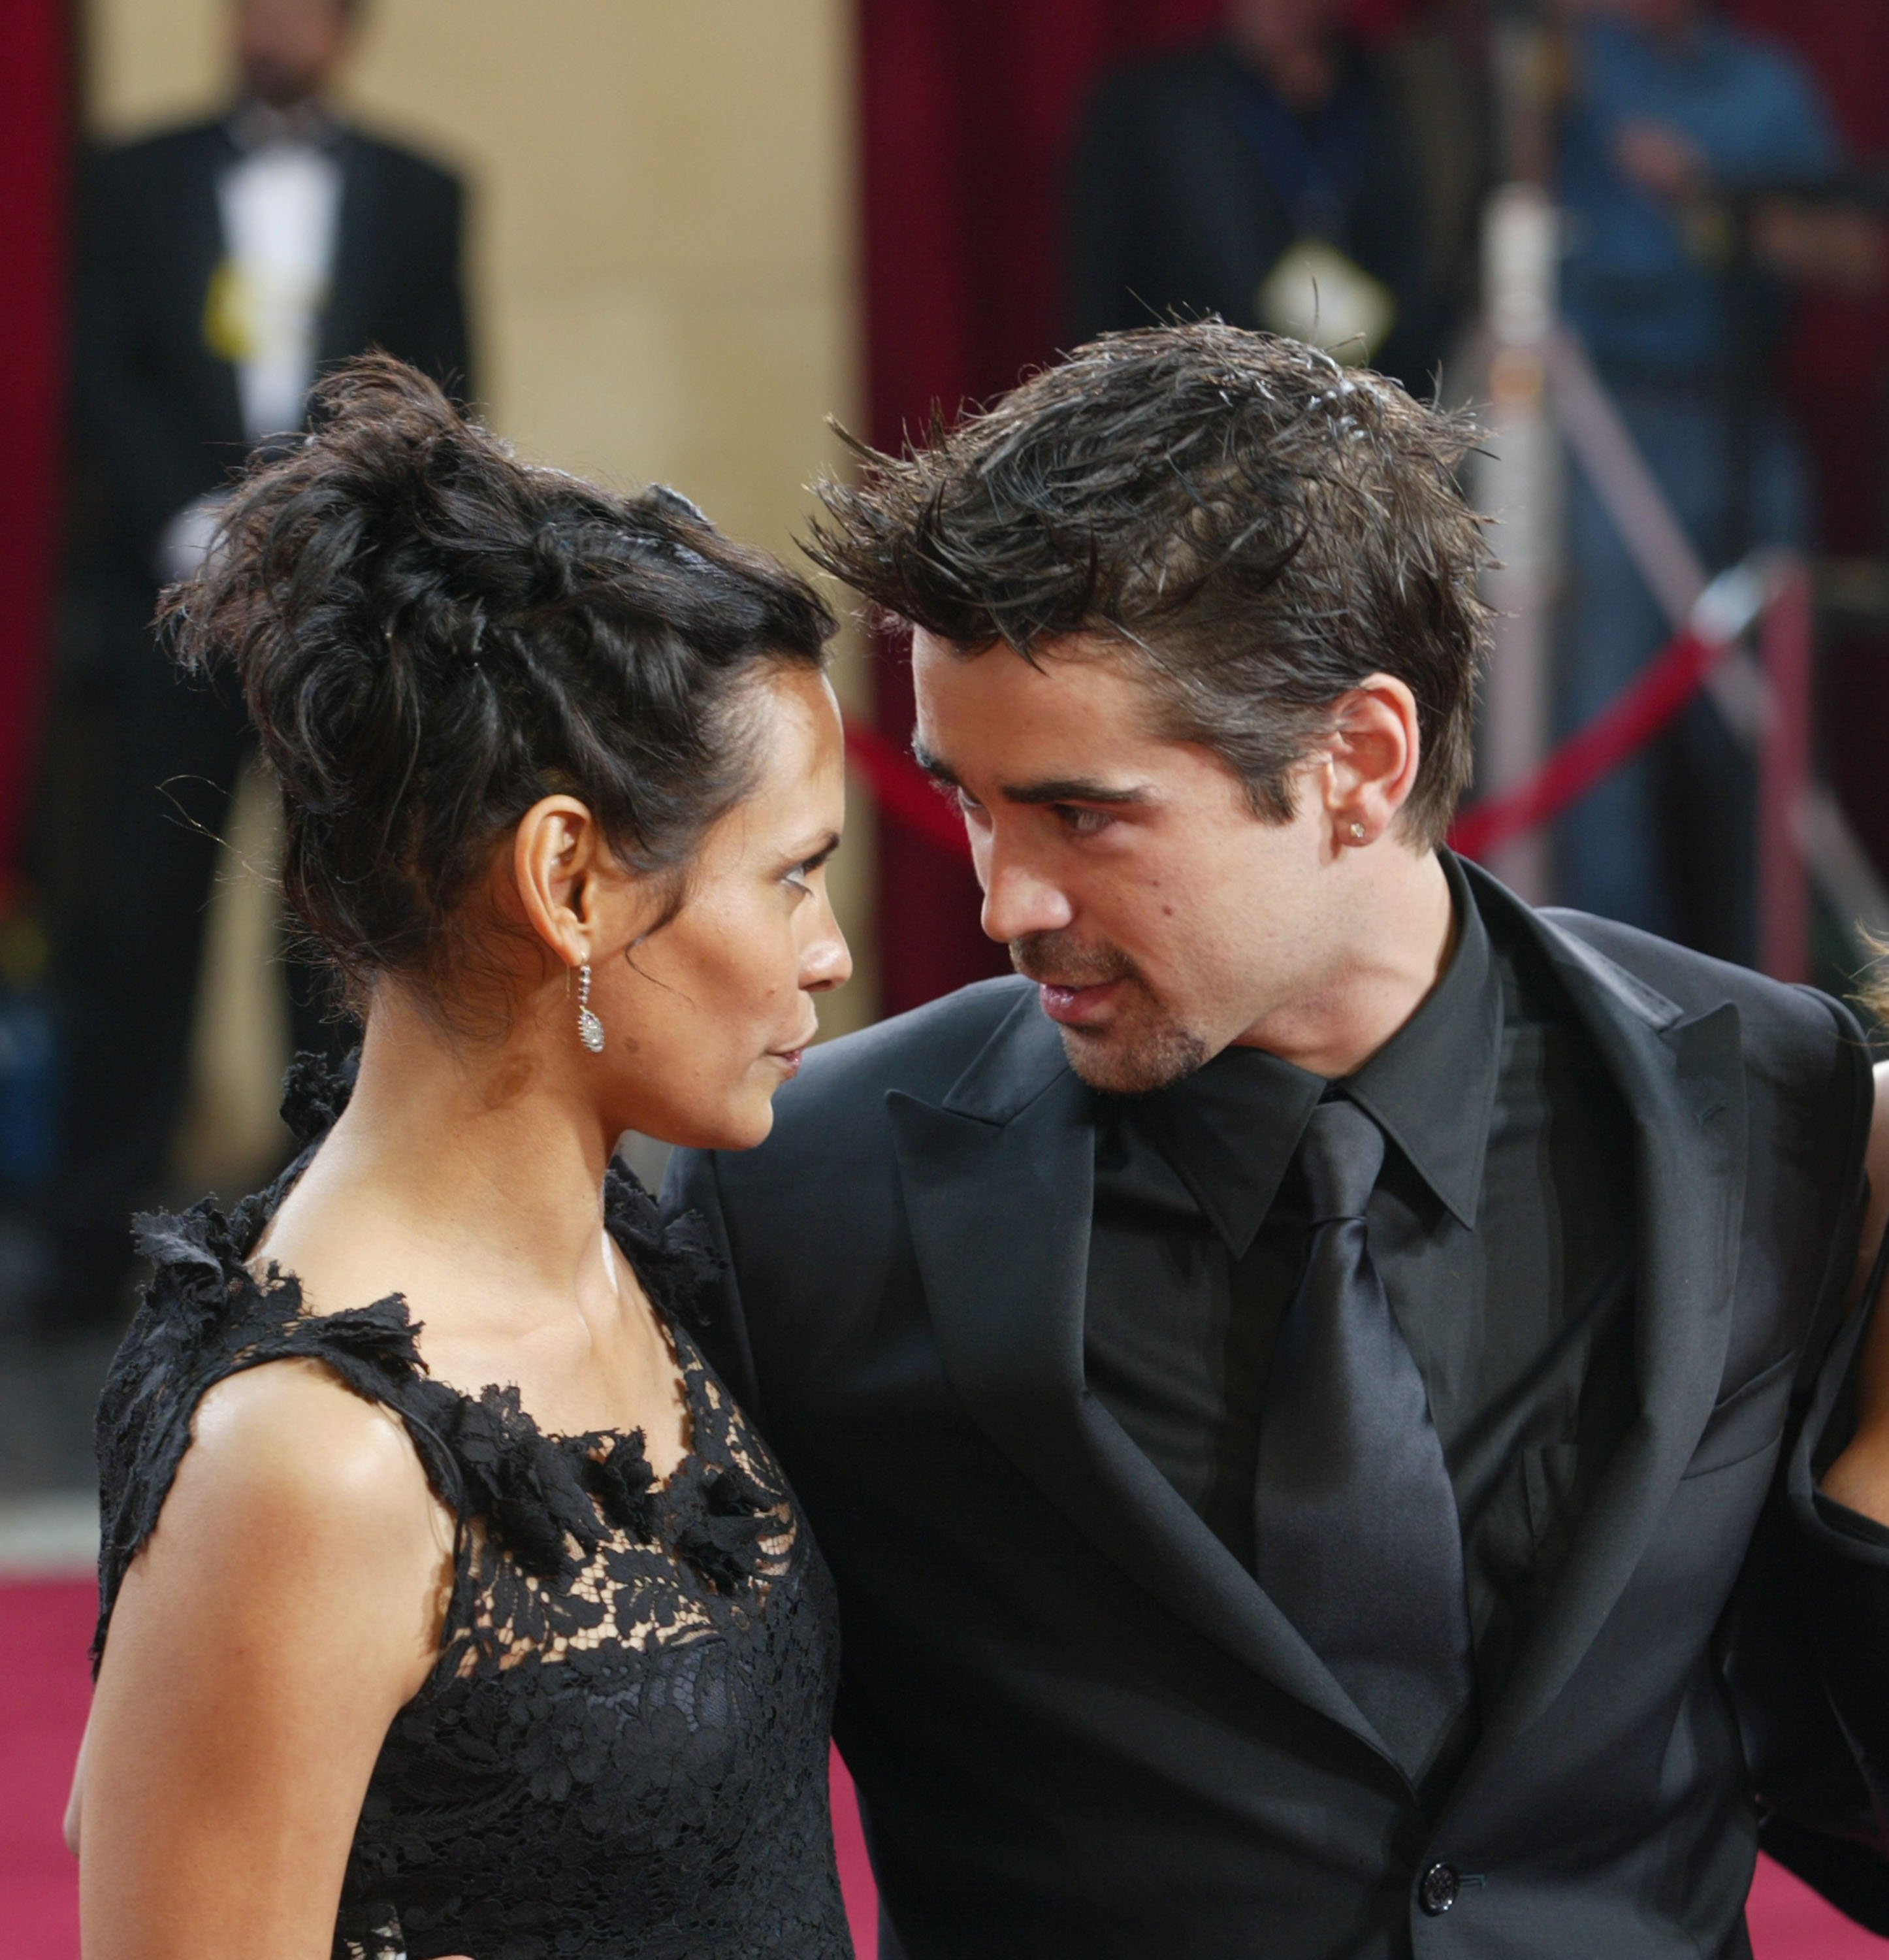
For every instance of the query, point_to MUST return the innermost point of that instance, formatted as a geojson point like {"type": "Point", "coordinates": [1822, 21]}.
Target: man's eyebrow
{"type": "Point", "coordinates": [1055, 789]}
{"type": "Point", "coordinates": [934, 766]}
{"type": "Point", "coordinates": [1075, 789]}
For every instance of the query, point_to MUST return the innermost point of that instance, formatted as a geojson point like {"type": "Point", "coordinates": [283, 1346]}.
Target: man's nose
{"type": "Point", "coordinates": [1020, 901]}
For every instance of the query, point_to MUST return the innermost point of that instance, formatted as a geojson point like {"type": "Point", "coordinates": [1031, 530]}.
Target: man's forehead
{"type": "Point", "coordinates": [1088, 647]}
{"type": "Point", "coordinates": [1081, 681]}
{"type": "Point", "coordinates": [1025, 742]}
{"type": "Point", "coordinates": [998, 702]}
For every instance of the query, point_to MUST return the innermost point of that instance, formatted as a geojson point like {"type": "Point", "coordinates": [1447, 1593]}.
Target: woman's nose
{"type": "Point", "coordinates": [827, 961]}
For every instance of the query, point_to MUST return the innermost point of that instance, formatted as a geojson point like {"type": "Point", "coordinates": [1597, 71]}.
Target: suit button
{"type": "Point", "coordinates": [1436, 1890]}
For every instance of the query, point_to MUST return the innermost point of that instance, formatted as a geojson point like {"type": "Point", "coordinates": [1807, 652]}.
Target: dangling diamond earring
{"type": "Point", "coordinates": [590, 1029]}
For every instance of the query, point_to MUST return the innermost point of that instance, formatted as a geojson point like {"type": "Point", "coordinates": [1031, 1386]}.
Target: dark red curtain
{"type": "Point", "coordinates": [35, 139]}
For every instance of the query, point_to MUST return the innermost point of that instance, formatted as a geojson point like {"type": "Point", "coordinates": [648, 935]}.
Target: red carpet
{"type": "Point", "coordinates": [856, 1873]}
{"type": "Point", "coordinates": [44, 1629]}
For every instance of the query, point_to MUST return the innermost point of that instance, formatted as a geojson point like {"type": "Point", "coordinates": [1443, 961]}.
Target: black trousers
{"type": "Point", "coordinates": [139, 780]}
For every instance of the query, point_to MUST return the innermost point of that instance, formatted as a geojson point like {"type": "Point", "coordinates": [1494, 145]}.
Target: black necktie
{"type": "Point", "coordinates": [1359, 1544]}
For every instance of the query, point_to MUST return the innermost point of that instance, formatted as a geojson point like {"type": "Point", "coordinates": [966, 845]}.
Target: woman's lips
{"type": "Point", "coordinates": [790, 1058]}
{"type": "Point", "coordinates": [1077, 1006]}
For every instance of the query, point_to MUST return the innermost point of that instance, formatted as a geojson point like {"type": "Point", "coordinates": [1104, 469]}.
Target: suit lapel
{"type": "Point", "coordinates": [999, 1184]}
{"type": "Point", "coordinates": [1683, 1083]}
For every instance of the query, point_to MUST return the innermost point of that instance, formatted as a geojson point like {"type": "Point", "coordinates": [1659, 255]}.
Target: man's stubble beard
{"type": "Point", "coordinates": [1138, 1064]}
{"type": "Point", "coordinates": [1128, 1060]}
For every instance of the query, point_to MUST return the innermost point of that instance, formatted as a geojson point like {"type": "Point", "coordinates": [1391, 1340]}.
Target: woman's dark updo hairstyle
{"type": "Point", "coordinates": [430, 636]}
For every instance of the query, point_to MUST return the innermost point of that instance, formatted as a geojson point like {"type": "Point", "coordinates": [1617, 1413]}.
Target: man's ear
{"type": "Point", "coordinates": [1373, 757]}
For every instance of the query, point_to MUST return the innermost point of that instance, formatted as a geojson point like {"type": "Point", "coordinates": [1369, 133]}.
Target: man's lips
{"type": "Point", "coordinates": [1078, 1007]}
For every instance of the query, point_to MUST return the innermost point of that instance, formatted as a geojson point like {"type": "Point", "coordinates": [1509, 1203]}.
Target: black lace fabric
{"type": "Point", "coordinates": [621, 1749]}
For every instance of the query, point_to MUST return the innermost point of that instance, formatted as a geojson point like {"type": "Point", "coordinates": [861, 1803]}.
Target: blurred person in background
{"type": "Point", "coordinates": [1282, 176]}
{"type": "Point", "coordinates": [1674, 120]}
{"type": "Point", "coordinates": [221, 266]}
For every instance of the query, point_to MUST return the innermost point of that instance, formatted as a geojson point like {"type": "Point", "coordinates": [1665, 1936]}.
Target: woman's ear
{"type": "Point", "coordinates": [557, 856]}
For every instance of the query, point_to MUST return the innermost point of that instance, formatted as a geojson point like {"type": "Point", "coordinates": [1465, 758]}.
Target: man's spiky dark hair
{"type": "Point", "coordinates": [1261, 528]}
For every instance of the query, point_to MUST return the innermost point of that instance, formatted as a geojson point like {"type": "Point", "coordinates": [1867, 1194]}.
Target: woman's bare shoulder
{"type": "Point", "coordinates": [296, 1475]}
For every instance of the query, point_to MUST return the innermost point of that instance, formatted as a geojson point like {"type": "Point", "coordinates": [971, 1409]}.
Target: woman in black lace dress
{"type": "Point", "coordinates": [391, 1661]}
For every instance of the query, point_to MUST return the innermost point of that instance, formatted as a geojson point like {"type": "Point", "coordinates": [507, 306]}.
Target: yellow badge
{"type": "Point", "coordinates": [1314, 293]}
{"type": "Point", "coordinates": [230, 325]}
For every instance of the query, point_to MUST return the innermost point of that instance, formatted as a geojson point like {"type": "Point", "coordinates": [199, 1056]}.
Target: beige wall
{"type": "Point", "coordinates": [662, 259]}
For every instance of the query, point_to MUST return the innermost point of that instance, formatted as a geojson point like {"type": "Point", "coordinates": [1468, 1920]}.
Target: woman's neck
{"type": "Point", "coordinates": [484, 1153]}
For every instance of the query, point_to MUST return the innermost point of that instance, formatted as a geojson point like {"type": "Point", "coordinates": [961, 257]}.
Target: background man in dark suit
{"type": "Point", "coordinates": [1314, 1394]}
{"type": "Point", "coordinates": [1282, 176]}
{"type": "Point", "coordinates": [219, 267]}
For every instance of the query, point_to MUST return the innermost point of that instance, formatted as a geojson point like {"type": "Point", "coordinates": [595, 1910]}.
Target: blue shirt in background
{"type": "Point", "coordinates": [1634, 287]}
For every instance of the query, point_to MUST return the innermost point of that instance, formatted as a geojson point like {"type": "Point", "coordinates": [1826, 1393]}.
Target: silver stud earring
{"type": "Point", "coordinates": [590, 1029]}
{"type": "Point", "coordinates": [1357, 833]}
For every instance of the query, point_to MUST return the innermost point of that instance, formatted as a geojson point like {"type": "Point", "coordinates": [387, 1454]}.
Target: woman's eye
{"type": "Point", "coordinates": [801, 878]}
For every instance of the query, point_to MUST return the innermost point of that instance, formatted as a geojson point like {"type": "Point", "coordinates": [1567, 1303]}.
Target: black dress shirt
{"type": "Point", "coordinates": [1501, 1227]}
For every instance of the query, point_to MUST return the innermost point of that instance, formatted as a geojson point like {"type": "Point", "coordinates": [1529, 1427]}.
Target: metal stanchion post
{"type": "Point", "coordinates": [1785, 641]}
{"type": "Point", "coordinates": [1518, 481]}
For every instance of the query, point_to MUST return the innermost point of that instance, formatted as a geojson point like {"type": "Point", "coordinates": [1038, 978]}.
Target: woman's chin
{"type": "Point", "coordinates": [739, 1127]}
{"type": "Point", "coordinates": [754, 1125]}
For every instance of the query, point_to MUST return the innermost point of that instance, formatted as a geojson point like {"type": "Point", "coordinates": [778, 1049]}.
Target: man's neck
{"type": "Point", "coordinates": [256, 124]}
{"type": "Point", "coordinates": [1393, 938]}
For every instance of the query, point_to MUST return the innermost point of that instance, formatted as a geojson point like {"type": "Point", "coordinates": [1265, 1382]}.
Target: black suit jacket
{"type": "Point", "coordinates": [158, 419]}
{"type": "Point", "coordinates": [1080, 1728]}
{"type": "Point", "coordinates": [1170, 209]}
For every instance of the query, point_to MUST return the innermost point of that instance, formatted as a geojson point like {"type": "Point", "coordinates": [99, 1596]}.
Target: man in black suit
{"type": "Point", "coordinates": [220, 267]}
{"type": "Point", "coordinates": [1315, 1393]}
{"type": "Point", "coordinates": [1203, 177]}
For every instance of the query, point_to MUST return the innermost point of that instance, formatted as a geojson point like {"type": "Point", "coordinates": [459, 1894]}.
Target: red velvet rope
{"type": "Point", "coordinates": [1634, 716]}
{"type": "Point", "coordinates": [1626, 725]}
